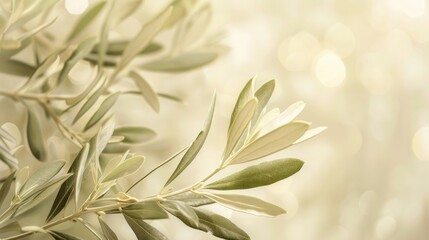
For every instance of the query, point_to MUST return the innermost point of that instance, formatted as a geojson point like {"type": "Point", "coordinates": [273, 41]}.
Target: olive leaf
{"type": "Point", "coordinates": [146, 90]}
{"type": "Point", "coordinates": [127, 167]}
{"type": "Point", "coordinates": [86, 19]}
{"type": "Point", "coordinates": [35, 138]}
{"type": "Point", "coordinates": [10, 227]}
{"type": "Point", "coordinates": [21, 177]}
{"type": "Point", "coordinates": [107, 231]}
{"type": "Point", "coordinates": [195, 147]}
{"type": "Point", "coordinates": [81, 51]}
{"type": "Point", "coordinates": [124, 11]}
{"type": "Point", "coordinates": [182, 211]}
{"type": "Point", "coordinates": [246, 204]}
{"type": "Point", "coordinates": [192, 199]}
{"type": "Point", "coordinates": [116, 48]}
{"type": "Point", "coordinates": [62, 236]}
{"type": "Point", "coordinates": [41, 176]}
{"type": "Point", "coordinates": [44, 68]}
{"type": "Point", "coordinates": [102, 110]}
{"type": "Point", "coordinates": [147, 210]}
{"type": "Point", "coordinates": [274, 141]}
{"type": "Point", "coordinates": [15, 67]}
{"type": "Point", "coordinates": [218, 226]}
{"type": "Point", "coordinates": [7, 156]}
{"type": "Point", "coordinates": [143, 230]}
{"type": "Point", "coordinates": [88, 104]}
{"type": "Point", "coordinates": [135, 134]}
{"type": "Point", "coordinates": [142, 40]}
{"type": "Point", "coordinates": [310, 134]}
{"type": "Point", "coordinates": [4, 190]}
{"type": "Point", "coordinates": [263, 94]}
{"type": "Point", "coordinates": [181, 63]}
{"type": "Point", "coordinates": [239, 125]}
{"type": "Point", "coordinates": [80, 170]}
{"type": "Point", "coordinates": [263, 174]}
{"type": "Point", "coordinates": [244, 97]}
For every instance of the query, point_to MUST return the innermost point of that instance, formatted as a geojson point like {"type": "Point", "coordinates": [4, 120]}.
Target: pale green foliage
{"type": "Point", "coordinates": [87, 183]}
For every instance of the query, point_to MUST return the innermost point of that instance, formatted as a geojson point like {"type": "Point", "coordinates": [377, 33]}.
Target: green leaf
{"type": "Point", "coordinates": [107, 231]}
{"type": "Point", "coordinates": [146, 90]}
{"type": "Point", "coordinates": [116, 48]}
{"type": "Point", "coordinates": [263, 94]}
{"type": "Point", "coordinates": [42, 176]}
{"type": "Point", "coordinates": [142, 40]}
{"type": "Point", "coordinates": [170, 97]}
{"type": "Point", "coordinates": [245, 96]}
{"type": "Point", "coordinates": [35, 138]}
{"type": "Point", "coordinates": [37, 78]}
{"type": "Point", "coordinates": [99, 79]}
{"type": "Point", "coordinates": [143, 230]}
{"type": "Point", "coordinates": [274, 141]}
{"type": "Point", "coordinates": [15, 67]}
{"type": "Point", "coordinates": [80, 170]}
{"type": "Point", "coordinates": [135, 134]}
{"type": "Point", "coordinates": [88, 104]}
{"type": "Point", "coordinates": [195, 147]}
{"type": "Point", "coordinates": [192, 199]}
{"type": "Point", "coordinates": [125, 10]}
{"type": "Point", "coordinates": [263, 174]}
{"type": "Point", "coordinates": [86, 19]}
{"type": "Point", "coordinates": [310, 134]}
{"type": "Point", "coordinates": [10, 227]}
{"type": "Point", "coordinates": [125, 168]}
{"type": "Point", "coordinates": [219, 226]}
{"type": "Point", "coordinates": [246, 204]}
{"type": "Point", "coordinates": [4, 190]}
{"type": "Point", "coordinates": [239, 125]}
{"type": "Point", "coordinates": [21, 177]}
{"type": "Point", "coordinates": [83, 49]}
{"type": "Point", "coordinates": [102, 110]}
{"type": "Point", "coordinates": [62, 236]}
{"type": "Point", "coordinates": [147, 210]}
{"type": "Point", "coordinates": [181, 63]}
{"type": "Point", "coordinates": [182, 211]}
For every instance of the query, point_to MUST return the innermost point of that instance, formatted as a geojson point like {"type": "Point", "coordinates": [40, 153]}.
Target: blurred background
{"type": "Point", "coordinates": [361, 67]}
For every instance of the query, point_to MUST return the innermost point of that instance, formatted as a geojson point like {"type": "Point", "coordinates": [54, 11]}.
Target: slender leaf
{"type": "Point", "coordinates": [42, 176]}
{"type": "Point", "coordinates": [86, 19]}
{"type": "Point", "coordinates": [125, 10]}
{"type": "Point", "coordinates": [107, 231]}
{"type": "Point", "coordinates": [102, 110]}
{"type": "Point", "coordinates": [80, 170]}
{"type": "Point", "coordinates": [143, 230]}
{"type": "Point", "coordinates": [195, 147]}
{"type": "Point", "coordinates": [182, 211]}
{"type": "Point", "coordinates": [116, 48]}
{"type": "Point", "coordinates": [147, 210]}
{"type": "Point", "coordinates": [82, 50]}
{"type": "Point", "coordinates": [246, 204]}
{"type": "Point", "coordinates": [274, 141]}
{"type": "Point", "coordinates": [4, 190]}
{"type": "Point", "coordinates": [21, 177]}
{"type": "Point", "coordinates": [142, 40]}
{"type": "Point", "coordinates": [310, 134]}
{"type": "Point", "coordinates": [263, 94]}
{"type": "Point", "coordinates": [192, 199]}
{"type": "Point", "coordinates": [35, 138]}
{"type": "Point", "coordinates": [63, 236]}
{"type": "Point", "coordinates": [88, 104]}
{"type": "Point", "coordinates": [10, 227]}
{"type": "Point", "coordinates": [219, 226]}
{"type": "Point", "coordinates": [245, 95]}
{"type": "Point", "coordinates": [263, 174]}
{"type": "Point", "coordinates": [135, 134]}
{"type": "Point", "coordinates": [239, 125]}
{"type": "Point", "coordinates": [127, 167]}
{"type": "Point", "coordinates": [15, 67]}
{"type": "Point", "coordinates": [181, 63]}
{"type": "Point", "coordinates": [147, 91]}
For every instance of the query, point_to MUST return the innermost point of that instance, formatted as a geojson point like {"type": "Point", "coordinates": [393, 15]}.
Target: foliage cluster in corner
{"type": "Point", "coordinates": [85, 119]}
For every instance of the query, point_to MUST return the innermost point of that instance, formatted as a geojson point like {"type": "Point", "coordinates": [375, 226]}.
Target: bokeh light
{"type": "Point", "coordinates": [329, 69]}
{"type": "Point", "coordinates": [420, 144]}
{"type": "Point", "coordinates": [76, 7]}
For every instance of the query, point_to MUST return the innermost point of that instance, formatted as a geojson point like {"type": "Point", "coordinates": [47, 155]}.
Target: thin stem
{"type": "Point", "coordinates": [156, 168]}
{"type": "Point", "coordinates": [34, 96]}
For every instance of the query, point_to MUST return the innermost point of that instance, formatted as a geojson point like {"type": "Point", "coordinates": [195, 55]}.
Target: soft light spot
{"type": "Point", "coordinates": [81, 73]}
{"type": "Point", "coordinates": [329, 69]}
{"type": "Point", "coordinates": [373, 72]}
{"type": "Point", "coordinates": [76, 7]}
{"type": "Point", "coordinates": [385, 227]}
{"type": "Point", "coordinates": [297, 52]}
{"type": "Point", "coordinates": [340, 39]}
{"type": "Point", "coordinates": [420, 144]}
{"type": "Point", "coordinates": [412, 8]}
